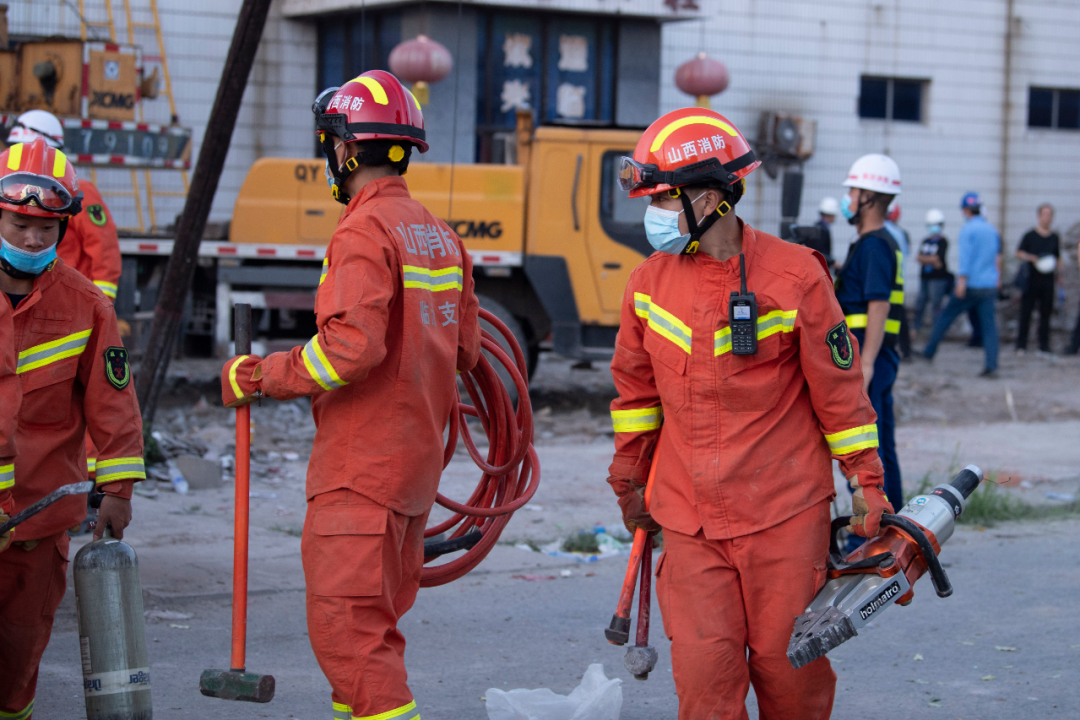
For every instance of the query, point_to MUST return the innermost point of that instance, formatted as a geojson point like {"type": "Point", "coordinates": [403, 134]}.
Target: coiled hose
{"type": "Point", "coordinates": [510, 473]}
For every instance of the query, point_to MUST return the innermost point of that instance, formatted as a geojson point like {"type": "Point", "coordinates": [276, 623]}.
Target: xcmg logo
{"type": "Point", "coordinates": [476, 229]}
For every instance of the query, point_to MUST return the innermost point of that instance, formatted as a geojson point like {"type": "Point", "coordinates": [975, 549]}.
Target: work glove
{"type": "Point", "coordinates": [632, 503]}
{"type": "Point", "coordinates": [241, 381]}
{"type": "Point", "coordinates": [867, 505]}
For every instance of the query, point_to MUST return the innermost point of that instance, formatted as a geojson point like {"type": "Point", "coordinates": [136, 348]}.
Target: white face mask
{"type": "Point", "coordinates": [662, 229]}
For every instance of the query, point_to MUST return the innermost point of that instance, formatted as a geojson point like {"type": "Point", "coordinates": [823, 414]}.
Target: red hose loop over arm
{"type": "Point", "coordinates": [510, 471]}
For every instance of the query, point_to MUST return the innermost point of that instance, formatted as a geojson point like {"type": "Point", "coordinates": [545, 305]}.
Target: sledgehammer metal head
{"type": "Point", "coordinates": [237, 685]}
{"type": "Point", "coordinates": [640, 661]}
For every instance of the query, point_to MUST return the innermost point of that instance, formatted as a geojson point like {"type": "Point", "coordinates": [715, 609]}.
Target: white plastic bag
{"type": "Point", "coordinates": [596, 698]}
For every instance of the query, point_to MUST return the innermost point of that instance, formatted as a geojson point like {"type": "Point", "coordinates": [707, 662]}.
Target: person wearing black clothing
{"type": "Point", "coordinates": [1036, 247]}
{"type": "Point", "coordinates": [1074, 343]}
{"type": "Point", "coordinates": [934, 276]}
{"type": "Point", "coordinates": [827, 211]}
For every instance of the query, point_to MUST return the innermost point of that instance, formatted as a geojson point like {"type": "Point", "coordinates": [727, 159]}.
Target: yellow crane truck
{"type": "Point", "coordinates": [552, 237]}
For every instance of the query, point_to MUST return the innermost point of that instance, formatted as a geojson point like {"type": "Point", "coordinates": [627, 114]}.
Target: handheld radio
{"type": "Point", "coordinates": [742, 317]}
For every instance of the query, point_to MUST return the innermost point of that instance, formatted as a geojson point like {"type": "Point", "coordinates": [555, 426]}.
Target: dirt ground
{"type": "Point", "coordinates": [948, 418]}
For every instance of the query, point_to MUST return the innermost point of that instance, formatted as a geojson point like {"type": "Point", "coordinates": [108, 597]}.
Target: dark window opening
{"type": "Point", "coordinates": [1040, 107]}
{"type": "Point", "coordinates": [1054, 108]}
{"type": "Point", "coordinates": [891, 99]}
{"type": "Point", "coordinates": [622, 218]}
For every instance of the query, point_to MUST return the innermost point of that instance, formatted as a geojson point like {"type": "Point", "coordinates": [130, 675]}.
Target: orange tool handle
{"type": "Point", "coordinates": [242, 335]}
{"type": "Point", "coordinates": [626, 599]}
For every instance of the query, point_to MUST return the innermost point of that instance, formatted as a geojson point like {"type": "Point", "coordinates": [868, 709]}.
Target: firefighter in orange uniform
{"type": "Point", "coordinates": [10, 397]}
{"type": "Point", "coordinates": [91, 244]}
{"type": "Point", "coordinates": [396, 316]}
{"type": "Point", "coordinates": [75, 377]}
{"type": "Point", "coordinates": [743, 490]}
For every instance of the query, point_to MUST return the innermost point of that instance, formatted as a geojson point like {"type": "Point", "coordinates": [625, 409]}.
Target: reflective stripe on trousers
{"type": "Point", "coordinates": [20, 715]}
{"type": "Point", "coordinates": [405, 712]}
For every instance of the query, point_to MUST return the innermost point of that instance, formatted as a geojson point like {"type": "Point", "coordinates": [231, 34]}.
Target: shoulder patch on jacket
{"type": "Point", "coordinates": [117, 369]}
{"type": "Point", "coordinates": [97, 214]}
{"type": "Point", "coordinates": [839, 343]}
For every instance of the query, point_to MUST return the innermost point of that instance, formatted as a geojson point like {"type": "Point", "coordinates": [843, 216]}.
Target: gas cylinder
{"type": "Point", "coordinates": [112, 633]}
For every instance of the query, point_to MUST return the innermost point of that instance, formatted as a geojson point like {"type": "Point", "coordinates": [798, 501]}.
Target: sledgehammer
{"type": "Point", "coordinates": [237, 683]}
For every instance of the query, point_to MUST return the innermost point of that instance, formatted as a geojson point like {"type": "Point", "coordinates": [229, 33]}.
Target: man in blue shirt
{"type": "Point", "coordinates": [977, 281]}
{"type": "Point", "coordinates": [870, 290]}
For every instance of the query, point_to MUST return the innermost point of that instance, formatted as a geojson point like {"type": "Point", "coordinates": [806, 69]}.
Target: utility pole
{"type": "Point", "coordinates": [192, 223]}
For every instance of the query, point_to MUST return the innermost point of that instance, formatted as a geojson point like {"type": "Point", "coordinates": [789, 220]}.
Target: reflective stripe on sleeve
{"type": "Point", "coordinates": [451, 278]}
{"type": "Point", "coordinates": [91, 465]}
{"type": "Point", "coordinates": [859, 320]}
{"type": "Point", "coordinates": [405, 712]}
{"type": "Point", "coordinates": [664, 323]}
{"type": "Point", "coordinates": [29, 709]}
{"type": "Point", "coordinates": [124, 468]}
{"type": "Point", "coordinates": [853, 440]}
{"type": "Point", "coordinates": [50, 352]}
{"type": "Point", "coordinates": [892, 327]}
{"type": "Point", "coordinates": [342, 711]}
{"type": "Point", "coordinates": [637, 420]}
{"type": "Point", "coordinates": [325, 270]}
{"type": "Point", "coordinates": [106, 287]}
{"type": "Point", "coordinates": [896, 297]}
{"type": "Point", "coordinates": [771, 323]}
{"type": "Point", "coordinates": [319, 367]}
{"type": "Point", "coordinates": [7, 476]}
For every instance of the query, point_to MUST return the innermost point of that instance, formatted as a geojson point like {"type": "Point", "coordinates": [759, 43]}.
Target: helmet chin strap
{"type": "Point", "coordinates": [340, 176]}
{"type": "Point", "coordinates": [696, 229]}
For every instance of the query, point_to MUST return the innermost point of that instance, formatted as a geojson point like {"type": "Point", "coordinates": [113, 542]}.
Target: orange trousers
{"type": "Point", "coordinates": [362, 565]}
{"type": "Point", "coordinates": [32, 584]}
{"type": "Point", "coordinates": [729, 607]}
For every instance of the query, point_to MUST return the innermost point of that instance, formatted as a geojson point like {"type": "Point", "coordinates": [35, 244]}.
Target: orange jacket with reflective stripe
{"type": "Point", "coordinates": [397, 316]}
{"type": "Point", "coordinates": [10, 397]}
{"type": "Point", "coordinates": [747, 438]}
{"type": "Point", "coordinates": [91, 244]}
{"type": "Point", "coordinates": [74, 378]}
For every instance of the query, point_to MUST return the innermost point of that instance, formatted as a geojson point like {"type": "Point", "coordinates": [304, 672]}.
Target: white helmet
{"type": "Point", "coordinates": [34, 124]}
{"type": "Point", "coordinates": [874, 172]}
{"type": "Point", "coordinates": [829, 206]}
{"type": "Point", "coordinates": [934, 216]}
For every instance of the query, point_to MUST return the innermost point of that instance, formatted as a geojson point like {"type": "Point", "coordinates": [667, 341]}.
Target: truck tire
{"type": "Point", "coordinates": [511, 322]}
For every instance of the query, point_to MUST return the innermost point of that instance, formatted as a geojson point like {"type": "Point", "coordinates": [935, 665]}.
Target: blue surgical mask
{"type": "Point", "coordinates": [935, 229]}
{"type": "Point", "coordinates": [32, 263]}
{"type": "Point", "coordinates": [845, 209]}
{"type": "Point", "coordinates": [662, 229]}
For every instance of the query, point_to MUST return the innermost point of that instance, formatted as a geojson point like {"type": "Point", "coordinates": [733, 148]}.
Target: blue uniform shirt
{"type": "Point", "coordinates": [867, 275]}
{"type": "Point", "coordinates": [979, 245]}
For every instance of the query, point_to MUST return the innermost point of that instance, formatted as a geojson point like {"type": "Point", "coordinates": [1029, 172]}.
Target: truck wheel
{"type": "Point", "coordinates": [511, 322]}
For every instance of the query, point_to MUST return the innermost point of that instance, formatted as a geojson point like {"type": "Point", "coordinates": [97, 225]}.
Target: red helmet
{"type": "Point", "coordinates": [36, 179]}
{"type": "Point", "coordinates": [686, 147]}
{"type": "Point", "coordinates": [373, 106]}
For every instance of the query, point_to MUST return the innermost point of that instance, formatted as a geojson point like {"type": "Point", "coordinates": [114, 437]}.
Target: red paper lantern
{"type": "Point", "coordinates": [702, 77]}
{"type": "Point", "coordinates": [420, 61]}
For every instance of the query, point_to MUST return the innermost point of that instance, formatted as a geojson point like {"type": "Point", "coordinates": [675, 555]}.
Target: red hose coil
{"type": "Point", "coordinates": [511, 471]}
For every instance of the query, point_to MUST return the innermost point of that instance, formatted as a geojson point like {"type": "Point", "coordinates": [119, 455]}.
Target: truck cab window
{"type": "Point", "coordinates": [621, 217]}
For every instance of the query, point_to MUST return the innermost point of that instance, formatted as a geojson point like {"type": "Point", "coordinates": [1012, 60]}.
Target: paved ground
{"type": "Point", "coordinates": [1015, 583]}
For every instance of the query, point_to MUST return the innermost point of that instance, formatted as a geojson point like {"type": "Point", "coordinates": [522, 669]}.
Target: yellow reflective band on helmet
{"type": "Point", "coordinates": [59, 168]}
{"type": "Point", "coordinates": [7, 476]}
{"type": "Point", "coordinates": [662, 322]}
{"type": "Point", "coordinates": [451, 278]}
{"type": "Point", "coordinates": [342, 711]}
{"type": "Point", "coordinates": [658, 141]}
{"type": "Point", "coordinates": [232, 375]}
{"type": "Point", "coordinates": [319, 367]}
{"type": "Point", "coordinates": [91, 465]}
{"type": "Point", "coordinates": [29, 709]}
{"type": "Point", "coordinates": [108, 288]}
{"type": "Point", "coordinates": [378, 94]}
{"type": "Point", "coordinates": [640, 420]}
{"type": "Point", "coordinates": [325, 270]}
{"type": "Point", "coordinates": [50, 352]}
{"type": "Point", "coordinates": [405, 712]}
{"type": "Point", "coordinates": [14, 162]}
{"type": "Point", "coordinates": [853, 440]}
{"type": "Point", "coordinates": [415, 101]}
{"type": "Point", "coordinates": [777, 321]}
{"type": "Point", "coordinates": [120, 469]}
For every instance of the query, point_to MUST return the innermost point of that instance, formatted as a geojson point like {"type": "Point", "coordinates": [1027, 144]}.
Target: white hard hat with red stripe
{"type": "Point", "coordinates": [34, 124]}
{"type": "Point", "coordinates": [876, 173]}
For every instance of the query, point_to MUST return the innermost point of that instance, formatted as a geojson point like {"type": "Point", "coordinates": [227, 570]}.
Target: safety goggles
{"type": "Point", "coordinates": [25, 188]}
{"type": "Point", "coordinates": [634, 175]}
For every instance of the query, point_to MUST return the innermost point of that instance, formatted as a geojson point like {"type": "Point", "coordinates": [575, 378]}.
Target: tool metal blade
{"type": "Point", "coordinates": [816, 633]}
{"type": "Point", "coordinates": [79, 488]}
